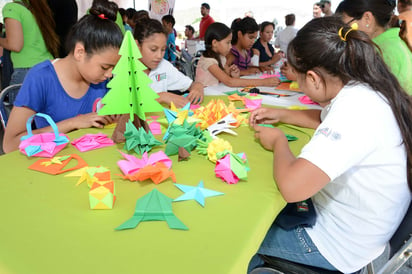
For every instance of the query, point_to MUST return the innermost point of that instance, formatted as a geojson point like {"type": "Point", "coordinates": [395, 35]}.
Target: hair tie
{"type": "Point", "coordinates": [354, 26]}
{"type": "Point", "coordinates": [102, 16]}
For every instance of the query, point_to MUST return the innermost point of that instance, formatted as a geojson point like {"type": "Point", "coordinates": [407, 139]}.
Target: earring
{"type": "Point", "coordinates": [367, 25]}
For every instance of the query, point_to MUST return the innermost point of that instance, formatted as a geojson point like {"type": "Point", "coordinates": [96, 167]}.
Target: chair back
{"type": "Point", "coordinates": [7, 97]}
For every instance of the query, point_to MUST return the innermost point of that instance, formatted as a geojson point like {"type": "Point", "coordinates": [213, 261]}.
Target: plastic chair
{"type": "Point", "coordinates": [7, 97]}
{"type": "Point", "coordinates": [400, 250]}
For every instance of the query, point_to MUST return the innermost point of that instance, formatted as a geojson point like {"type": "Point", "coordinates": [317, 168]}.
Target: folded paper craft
{"type": "Point", "coordinates": [154, 206]}
{"type": "Point", "coordinates": [306, 100]}
{"type": "Point", "coordinates": [211, 147]}
{"type": "Point", "coordinates": [288, 86]}
{"type": "Point", "coordinates": [157, 173]}
{"type": "Point", "coordinates": [57, 164]}
{"type": "Point", "coordinates": [43, 144]}
{"type": "Point", "coordinates": [138, 139]}
{"type": "Point", "coordinates": [90, 175]}
{"type": "Point", "coordinates": [133, 164]}
{"type": "Point", "coordinates": [232, 167]}
{"type": "Point", "coordinates": [216, 110]}
{"type": "Point", "coordinates": [223, 125]}
{"type": "Point", "coordinates": [198, 193]}
{"type": "Point", "coordinates": [184, 135]}
{"type": "Point", "coordinates": [154, 125]}
{"type": "Point", "coordinates": [92, 141]}
{"type": "Point", "coordinates": [102, 195]}
{"type": "Point", "coordinates": [156, 167]}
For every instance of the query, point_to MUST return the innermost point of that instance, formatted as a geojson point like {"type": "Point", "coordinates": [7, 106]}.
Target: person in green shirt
{"type": "Point", "coordinates": [372, 17]}
{"type": "Point", "coordinates": [30, 35]}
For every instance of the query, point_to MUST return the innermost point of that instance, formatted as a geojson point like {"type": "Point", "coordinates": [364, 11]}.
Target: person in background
{"type": "Point", "coordinates": [151, 38]}
{"type": "Point", "coordinates": [340, 68]}
{"type": "Point", "coordinates": [317, 12]}
{"type": "Point", "coordinates": [212, 68]}
{"type": "Point", "coordinates": [67, 89]}
{"type": "Point", "coordinates": [130, 12]}
{"type": "Point", "coordinates": [189, 33]}
{"type": "Point", "coordinates": [168, 22]}
{"type": "Point", "coordinates": [326, 7]}
{"type": "Point", "coordinates": [122, 12]}
{"type": "Point", "coordinates": [267, 55]}
{"type": "Point", "coordinates": [65, 16]}
{"type": "Point", "coordinates": [244, 34]}
{"type": "Point", "coordinates": [372, 17]}
{"type": "Point", "coordinates": [30, 35]}
{"type": "Point", "coordinates": [404, 5]}
{"type": "Point", "coordinates": [285, 36]}
{"type": "Point", "coordinates": [139, 15]}
{"type": "Point", "coordinates": [205, 21]}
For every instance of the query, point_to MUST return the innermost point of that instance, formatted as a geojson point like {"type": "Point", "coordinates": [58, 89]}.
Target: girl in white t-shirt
{"type": "Point", "coordinates": [212, 67]}
{"type": "Point", "coordinates": [357, 166]}
{"type": "Point", "coordinates": [151, 40]}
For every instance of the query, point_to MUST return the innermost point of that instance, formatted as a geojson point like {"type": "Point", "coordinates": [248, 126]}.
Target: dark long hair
{"type": "Point", "coordinates": [97, 30]}
{"type": "Point", "coordinates": [317, 45]}
{"type": "Point", "coordinates": [245, 25]}
{"type": "Point", "coordinates": [382, 10]}
{"type": "Point", "coordinates": [147, 27]}
{"type": "Point", "coordinates": [216, 31]}
{"type": "Point", "coordinates": [44, 19]}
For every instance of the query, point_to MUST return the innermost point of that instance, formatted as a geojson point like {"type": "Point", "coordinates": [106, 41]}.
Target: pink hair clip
{"type": "Point", "coordinates": [102, 16]}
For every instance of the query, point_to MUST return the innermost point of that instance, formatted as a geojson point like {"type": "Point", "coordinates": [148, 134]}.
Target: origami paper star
{"type": "Point", "coordinates": [232, 167]}
{"type": "Point", "coordinates": [138, 139]}
{"type": "Point", "coordinates": [57, 164]}
{"type": "Point", "coordinates": [154, 206]}
{"type": "Point", "coordinates": [88, 174]}
{"type": "Point", "coordinates": [55, 160]}
{"type": "Point", "coordinates": [198, 193]}
{"type": "Point", "coordinates": [92, 141]}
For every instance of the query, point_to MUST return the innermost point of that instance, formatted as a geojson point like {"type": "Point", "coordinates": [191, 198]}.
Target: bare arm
{"type": "Point", "coordinates": [297, 178]}
{"type": "Point", "coordinates": [219, 74]}
{"type": "Point", "coordinates": [16, 126]}
{"type": "Point", "coordinates": [14, 39]}
{"type": "Point", "coordinates": [309, 118]}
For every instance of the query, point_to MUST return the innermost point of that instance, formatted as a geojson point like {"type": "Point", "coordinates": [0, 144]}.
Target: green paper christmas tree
{"type": "Point", "coordinates": [130, 90]}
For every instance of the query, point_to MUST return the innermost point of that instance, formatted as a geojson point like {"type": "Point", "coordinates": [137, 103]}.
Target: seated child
{"type": "Point", "coordinates": [67, 89]}
{"type": "Point", "coordinates": [242, 54]}
{"type": "Point", "coordinates": [151, 40]}
{"type": "Point", "coordinates": [212, 67]}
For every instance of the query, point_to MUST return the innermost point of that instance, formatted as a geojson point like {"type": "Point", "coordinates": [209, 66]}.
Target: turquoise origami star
{"type": "Point", "coordinates": [198, 193]}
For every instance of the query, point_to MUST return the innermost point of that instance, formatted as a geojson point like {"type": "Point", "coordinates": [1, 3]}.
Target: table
{"type": "Point", "coordinates": [47, 226]}
{"type": "Point", "coordinates": [290, 101]}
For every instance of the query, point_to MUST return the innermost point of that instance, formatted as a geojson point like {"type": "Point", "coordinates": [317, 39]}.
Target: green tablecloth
{"type": "Point", "coordinates": [47, 226]}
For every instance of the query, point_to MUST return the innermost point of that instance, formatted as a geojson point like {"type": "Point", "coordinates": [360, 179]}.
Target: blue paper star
{"type": "Point", "coordinates": [198, 193]}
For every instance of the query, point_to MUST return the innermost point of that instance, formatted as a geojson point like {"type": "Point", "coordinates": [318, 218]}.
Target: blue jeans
{"type": "Point", "coordinates": [293, 245]}
{"type": "Point", "coordinates": [18, 75]}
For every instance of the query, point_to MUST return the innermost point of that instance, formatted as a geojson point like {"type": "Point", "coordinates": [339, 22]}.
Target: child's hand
{"type": "Point", "coordinates": [196, 93]}
{"type": "Point", "coordinates": [234, 71]}
{"type": "Point", "coordinates": [268, 136]}
{"type": "Point", "coordinates": [91, 120]}
{"type": "Point", "coordinates": [271, 82]}
{"type": "Point", "coordinates": [288, 72]}
{"type": "Point", "coordinates": [264, 116]}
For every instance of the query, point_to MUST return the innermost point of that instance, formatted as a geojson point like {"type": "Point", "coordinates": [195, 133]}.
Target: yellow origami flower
{"type": "Point", "coordinates": [215, 146]}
